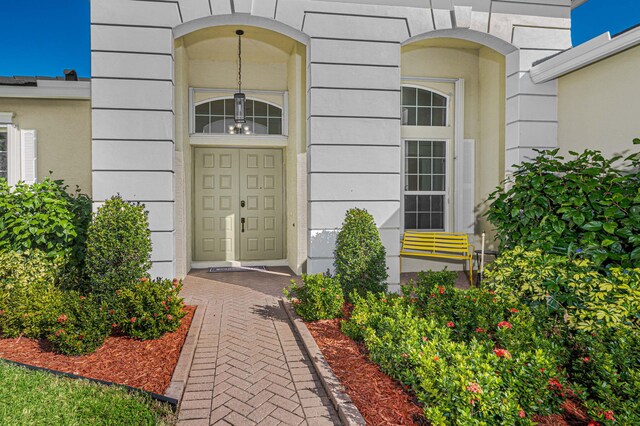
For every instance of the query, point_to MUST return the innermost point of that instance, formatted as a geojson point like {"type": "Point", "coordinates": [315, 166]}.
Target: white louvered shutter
{"type": "Point", "coordinates": [465, 186]}
{"type": "Point", "coordinates": [28, 156]}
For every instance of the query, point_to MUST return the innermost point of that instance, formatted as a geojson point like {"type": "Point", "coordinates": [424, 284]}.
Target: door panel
{"type": "Point", "coordinates": [216, 204]}
{"type": "Point", "coordinates": [224, 180]}
{"type": "Point", "coordinates": [261, 188]}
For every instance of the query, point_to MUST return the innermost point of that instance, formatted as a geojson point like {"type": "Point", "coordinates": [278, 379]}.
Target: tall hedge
{"type": "Point", "coordinates": [118, 246]}
{"type": "Point", "coordinates": [588, 204]}
{"type": "Point", "coordinates": [360, 257]}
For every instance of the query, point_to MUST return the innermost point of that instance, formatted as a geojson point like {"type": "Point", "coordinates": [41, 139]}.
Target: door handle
{"type": "Point", "coordinates": [242, 204]}
{"type": "Point", "coordinates": [242, 224]}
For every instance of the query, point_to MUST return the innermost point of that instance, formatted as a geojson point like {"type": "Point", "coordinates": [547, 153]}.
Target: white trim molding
{"type": "Point", "coordinates": [49, 89]}
{"type": "Point", "coordinates": [583, 55]}
{"type": "Point", "coordinates": [6, 117]}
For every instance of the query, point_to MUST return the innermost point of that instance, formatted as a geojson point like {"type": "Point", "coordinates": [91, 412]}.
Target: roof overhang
{"type": "Point", "coordinates": [49, 89]}
{"type": "Point", "coordinates": [592, 51]}
{"type": "Point", "coordinates": [576, 3]}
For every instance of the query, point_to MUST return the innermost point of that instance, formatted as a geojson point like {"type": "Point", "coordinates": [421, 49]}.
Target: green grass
{"type": "Point", "coordinates": [36, 398]}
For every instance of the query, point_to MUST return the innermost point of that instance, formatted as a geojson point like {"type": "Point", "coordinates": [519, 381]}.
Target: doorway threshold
{"type": "Point", "coordinates": [238, 264]}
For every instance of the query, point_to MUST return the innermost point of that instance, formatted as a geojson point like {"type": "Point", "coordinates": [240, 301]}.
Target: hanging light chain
{"type": "Point", "coordinates": [239, 32]}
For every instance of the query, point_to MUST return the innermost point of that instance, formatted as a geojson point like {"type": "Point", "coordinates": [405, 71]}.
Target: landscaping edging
{"type": "Point", "coordinates": [347, 411]}
{"type": "Point", "coordinates": [183, 366]}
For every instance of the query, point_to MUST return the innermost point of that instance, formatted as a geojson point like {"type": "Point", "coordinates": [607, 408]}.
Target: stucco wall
{"type": "Point", "coordinates": [587, 97]}
{"type": "Point", "coordinates": [64, 136]}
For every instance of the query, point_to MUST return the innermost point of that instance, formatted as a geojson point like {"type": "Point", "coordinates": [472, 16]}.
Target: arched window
{"type": "Point", "coordinates": [216, 117]}
{"type": "Point", "coordinates": [421, 107]}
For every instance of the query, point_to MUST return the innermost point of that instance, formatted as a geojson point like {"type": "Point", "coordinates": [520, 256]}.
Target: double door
{"type": "Point", "coordinates": [238, 204]}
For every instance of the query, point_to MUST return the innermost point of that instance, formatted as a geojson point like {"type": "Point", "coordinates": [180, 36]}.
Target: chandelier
{"type": "Point", "coordinates": [239, 99]}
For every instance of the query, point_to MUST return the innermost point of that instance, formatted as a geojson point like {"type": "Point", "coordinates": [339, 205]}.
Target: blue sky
{"type": "Point", "coordinates": [43, 37]}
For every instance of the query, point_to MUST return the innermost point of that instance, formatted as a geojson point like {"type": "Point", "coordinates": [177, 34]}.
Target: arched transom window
{"type": "Point", "coordinates": [216, 116]}
{"type": "Point", "coordinates": [422, 107]}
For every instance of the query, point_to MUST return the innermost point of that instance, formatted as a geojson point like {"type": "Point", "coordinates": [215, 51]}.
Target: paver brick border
{"type": "Point", "coordinates": [183, 366]}
{"type": "Point", "coordinates": [347, 411]}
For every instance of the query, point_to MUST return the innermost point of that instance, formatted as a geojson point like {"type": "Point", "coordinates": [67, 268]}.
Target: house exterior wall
{"type": "Point", "coordinates": [588, 95]}
{"type": "Point", "coordinates": [63, 136]}
{"type": "Point", "coordinates": [352, 112]}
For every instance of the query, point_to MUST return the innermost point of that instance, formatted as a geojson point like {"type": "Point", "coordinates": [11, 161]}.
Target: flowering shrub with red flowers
{"type": "Point", "coordinates": [81, 326]}
{"type": "Point", "coordinates": [320, 297]}
{"type": "Point", "coordinates": [149, 308]}
{"type": "Point", "coordinates": [458, 379]}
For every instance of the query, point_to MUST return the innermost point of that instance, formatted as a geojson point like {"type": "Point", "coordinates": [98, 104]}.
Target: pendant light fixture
{"type": "Point", "coordinates": [239, 99]}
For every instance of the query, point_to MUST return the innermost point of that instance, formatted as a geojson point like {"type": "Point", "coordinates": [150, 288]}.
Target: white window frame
{"type": "Point", "coordinates": [446, 192]}
{"type": "Point", "coordinates": [428, 89]}
{"type": "Point", "coordinates": [251, 94]}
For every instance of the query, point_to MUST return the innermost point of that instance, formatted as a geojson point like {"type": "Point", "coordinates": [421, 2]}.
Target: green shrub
{"type": "Point", "coordinates": [458, 381]}
{"type": "Point", "coordinates": [573, 290]}
{"type": "Point", "coordinates": [29, 298]}
{"type": "Point", "coordinates": [606, 369]}
{"type": "Point", "coordinates": [44, 216]}
{"type": "Point", "coordinates": [360, 256]}
{"type": "Point", "coordinates": [149, 309]}
{"type": "Point", "coordinates": [118, 247]}
{"type": "Point", "coordinates": [320, 298]}
{"type": "Point", "coordinates": [583, 204]}
{"type": "Point", "coordinates": [81, 326]}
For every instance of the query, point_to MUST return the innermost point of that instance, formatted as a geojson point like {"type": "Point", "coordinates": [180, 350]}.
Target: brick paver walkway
{"type": "Point", "coordinates": [248, 367]}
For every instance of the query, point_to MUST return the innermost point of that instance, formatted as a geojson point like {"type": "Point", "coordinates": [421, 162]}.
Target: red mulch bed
{"type": "Point", "coordinates": [382, 400]}
{"type": "Point", "coordinates": [141, 364]}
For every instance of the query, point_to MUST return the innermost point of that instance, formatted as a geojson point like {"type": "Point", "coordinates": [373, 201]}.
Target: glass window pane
{"type": "Point", "coordinates": [412, 148]}
{"type": "Point", "coordinates": [275, 126]}
{"type": "Point", "coordinates": [424, 98]}
{"type": "Point", "coordinates": [425, 183]}
{"type": "Point", "coordinates": [424, 203]}
{"type": "Point", "coordinates": [425, 166]}
{"type": "Point", "coordinates": [438, 183]}
{"type": "Point", "coordinates": [411, 165]}
{"type": "Point", "coordinates": [411, 183]}
{"type": "Point", "coordinates": [410, 221]}
{"type": "Point", "coordinates": [437, 203]}
{"type": "Point", "coordinates": [217, 107]}
{"type": "Point", "coordinates": [203, 109]}
{"type": "Point", "coordinates": [259, 125]}
{"type": "Point", "coordinates": [411, 116]}
{"type": "Point", "coordinates": [439, 100]}
{"type": "Point", "coordinates": [438, 166]}
{"type": "Point", "coordinates": [410, 204]}
{"type": "Point", "coordinates": [3, 161]}
{"type": "Point", "coordinates": [424, 116]}
{"type": "Point", "coordinates": [437, 221]}
{"type": "Point", "coordinates": [424, 221]}
{"type": "Point", "coordinates": [409, 96]}
{"type": "Point", "coordinates": [3, 140]}
{"type": "Point", "coordinates": [439, 117]}
{"type": "Point", "coordinates": [201, 122]}
{"type": "Point", "coordinates": [260, 109]}
{"type": "Point", "coordinates": [439, 148]}
{"type": "Point", "coordinates": [425, 149]}
{"type": "Point", "coordinates": [217, 125]}
{"type": "Point", "coordinates": [404, 116]}
{"type": "Point", "coordinates": [274, 111]}
{"type": "Point", "coordinates": [229, 107]}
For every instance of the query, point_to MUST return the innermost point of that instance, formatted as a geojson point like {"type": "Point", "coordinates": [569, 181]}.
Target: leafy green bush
{"type": "Point", "coordinates": [606, 368]}
{"type": "Point", "coordinates": [149, 309]}
{"type": "Point", "coordinates": [458, 380]}
{"type": "Point", "coordinates": [360, 256]}
{"type": "Point", "coordinates": [81, 326]}
{"type": "Point", "coordinates": [584, 204]}
{"type": "Point", "coordinates": [118, 247]}
{"type": "Point", "coordinates": [29, 298]}
{"type": "Point", "coordinates": [320, 298]}
{"type": "Point", "coordinates": [44, 216]}
{"type": "Point", "coordinates": [572, 289]}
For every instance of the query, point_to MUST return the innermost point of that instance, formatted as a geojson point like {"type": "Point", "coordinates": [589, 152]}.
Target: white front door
{"type": "Point", "coordinates": [238, 204]}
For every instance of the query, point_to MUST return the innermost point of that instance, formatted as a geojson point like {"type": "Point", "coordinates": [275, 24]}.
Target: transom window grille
{"type": "Point", "coordinates": [425, 177]}
{"type": "Point", "coordinates": [422, 107]}
{"type": "Point", "coordinates": [3, 153]}
{"type": "Point", "coordinates": [216, 117]}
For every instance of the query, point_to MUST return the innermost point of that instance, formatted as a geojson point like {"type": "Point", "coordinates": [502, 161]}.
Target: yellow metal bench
{"type": "Point", "coordinates": [437, 244]}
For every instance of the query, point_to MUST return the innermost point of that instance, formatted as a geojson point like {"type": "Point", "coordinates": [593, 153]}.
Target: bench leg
{"type": "Point", "coordinates": [471, 271]}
